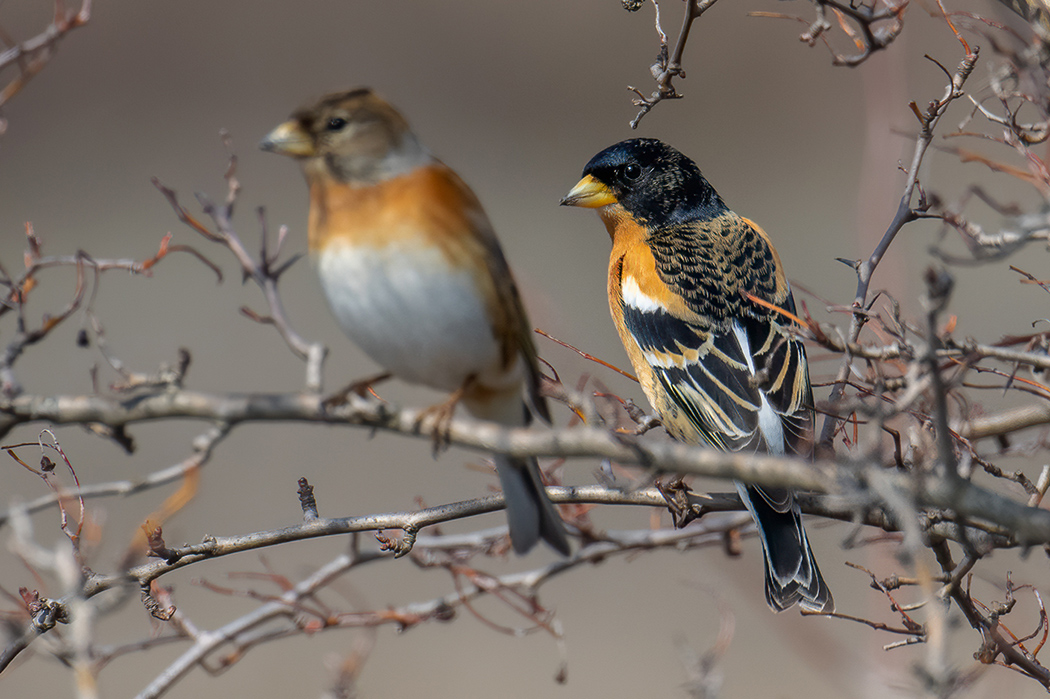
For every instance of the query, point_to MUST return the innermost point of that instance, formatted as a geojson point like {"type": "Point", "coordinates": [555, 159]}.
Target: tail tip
{"type": "Point", "coordinates": [812, 597]}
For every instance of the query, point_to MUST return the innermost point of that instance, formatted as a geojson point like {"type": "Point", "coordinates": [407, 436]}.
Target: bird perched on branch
{"type": "Point", "coordinates": [414, 274]}
{"type": "Point", "coordinates": [704, 311]}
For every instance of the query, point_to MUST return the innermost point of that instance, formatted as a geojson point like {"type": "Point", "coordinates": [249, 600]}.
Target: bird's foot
{"type": "Point", "coordinates": [440, 417]}
{"type": "Point", "coordinates": [360, 387]}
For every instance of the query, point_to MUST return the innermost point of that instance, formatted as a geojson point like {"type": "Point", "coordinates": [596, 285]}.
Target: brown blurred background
{"type": "Point", "coordinates": [517, 97]}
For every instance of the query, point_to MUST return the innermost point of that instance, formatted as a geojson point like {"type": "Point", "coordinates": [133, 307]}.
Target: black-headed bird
{"type": "Point", "coordinates": [414, 274]}
{"type": "Point", "coordinates": [694, 290]}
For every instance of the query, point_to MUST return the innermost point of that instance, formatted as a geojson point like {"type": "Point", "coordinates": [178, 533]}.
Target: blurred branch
{"type": "Point", "coordinates": [428, 551]}
{"type": "Point", "coordinates": [234, 409]}
{"type": "Point", "coordinates": [296, 603]}
{"type": "Point", "coordinates": [265, 272]}
{"type": "Point", "coordinates": [870, 28]}
{"type": "Point", "coordinates": [19, 288]}
{"type": "Point", "coordinates": [1007, 421]}
{"type": "Point", "coordinates": [203, 447]}
{"type": "Point", "coordinates": [424, 549]}
{"type": "Point", "coordinates": [33, 54]}
{"type": "Point", "coordinates": [1029, 526]}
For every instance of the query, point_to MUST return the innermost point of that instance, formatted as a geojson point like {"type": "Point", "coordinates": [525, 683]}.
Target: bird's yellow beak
{"type": "Point", "coordinates": [590, 194]}
{"type": "Point", "coordinates": [289, 139]}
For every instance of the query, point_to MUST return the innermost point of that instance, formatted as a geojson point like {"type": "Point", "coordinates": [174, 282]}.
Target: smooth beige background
{"type": "Point", "coordinates": [517, 97]}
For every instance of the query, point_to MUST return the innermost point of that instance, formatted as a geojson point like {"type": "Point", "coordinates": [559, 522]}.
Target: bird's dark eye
{"type": "Point", "coordinates": [335, 124]}
{"type": "Point", "coordinates": [632, 171]}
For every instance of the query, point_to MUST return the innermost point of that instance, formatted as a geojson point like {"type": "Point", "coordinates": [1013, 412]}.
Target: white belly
{"type": "Point", "coordinates": [410, 312]}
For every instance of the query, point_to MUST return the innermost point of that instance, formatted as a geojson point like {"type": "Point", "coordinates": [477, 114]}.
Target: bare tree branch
{"type": "Point", "coordinates": [33, 54]}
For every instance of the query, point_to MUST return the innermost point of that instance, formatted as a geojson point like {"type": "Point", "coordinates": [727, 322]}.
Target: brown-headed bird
{"type": "Point", "coordinates": [414, 274]}
{"type": "Point", "coordinates": [718, 367]}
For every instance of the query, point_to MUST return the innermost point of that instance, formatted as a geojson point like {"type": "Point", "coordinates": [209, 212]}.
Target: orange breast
{"type": "Point", "coordinates": [633, 258]}
{"type": "Point", "coordinates": [430, 203]}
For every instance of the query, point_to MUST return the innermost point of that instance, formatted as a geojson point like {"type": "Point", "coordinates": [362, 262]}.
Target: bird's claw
{"type": "Point", "coordinates": [359, 387]}
{"type": "Point", "coordinates": [440, 416]}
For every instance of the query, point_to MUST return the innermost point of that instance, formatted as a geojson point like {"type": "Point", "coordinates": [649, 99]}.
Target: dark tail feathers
{"type": "Point", "coordinates": [792, 575]}
{"type": "Point", "coordinates": [530, 514]}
